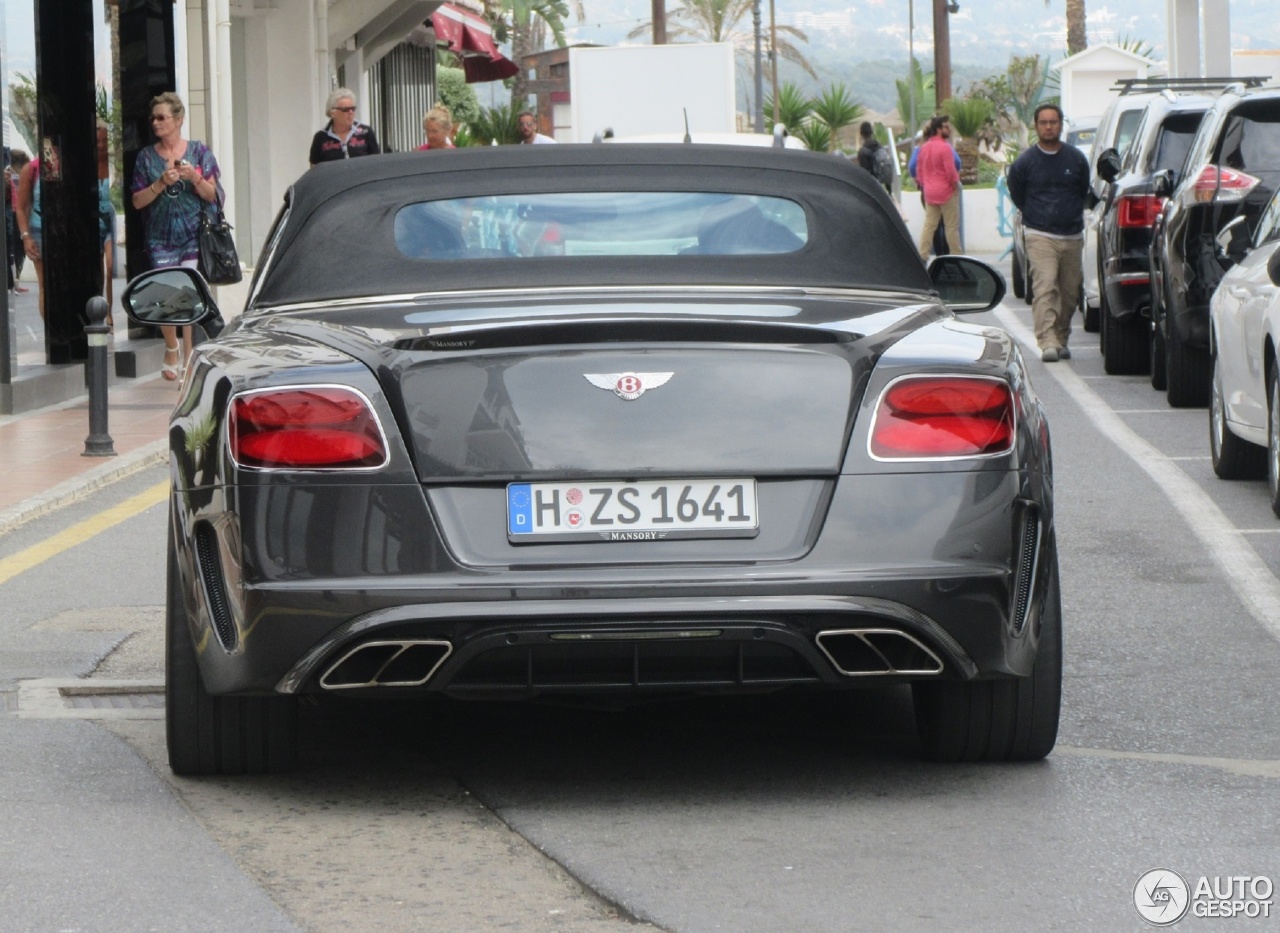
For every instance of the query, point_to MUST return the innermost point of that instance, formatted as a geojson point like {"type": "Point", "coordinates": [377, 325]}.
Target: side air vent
{"type": "Point", "coordinates": [1027, 549]}
{"type": "Point", "coordinates": [215, 588]}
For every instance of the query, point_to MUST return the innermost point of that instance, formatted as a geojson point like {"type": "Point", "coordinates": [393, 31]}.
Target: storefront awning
{"type": "Point", "coordinates": [470, 38]}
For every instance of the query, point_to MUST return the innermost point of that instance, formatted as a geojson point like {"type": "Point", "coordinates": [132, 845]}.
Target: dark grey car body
{"type": "Point", "coordinates": [402, 577]}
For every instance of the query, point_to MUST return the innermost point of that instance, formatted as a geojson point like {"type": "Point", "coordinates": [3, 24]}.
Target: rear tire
{"type": "Point", "coordinates": [214, 734]}
{"type": "Point", "coordinates": [1273, 438]}
{"type": "Point", "coordinates": [1125, 343]}
{"type": "Point", "coordinates": [1014, 719]}
{"type": "Point", "coordinates": [1019, 283]}
{"type": "Point", "coordinates": [1159, 379]}
{"type": "Point", "coordinates": [1188, 376]}
{"type": "Point", "coordinates": [1233, 457]}
{"type": "Point", "coordinates": [1092, 318]}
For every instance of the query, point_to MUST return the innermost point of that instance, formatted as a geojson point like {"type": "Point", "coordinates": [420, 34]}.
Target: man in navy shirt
{"type": "Point", "coordinates": [1049, 183]}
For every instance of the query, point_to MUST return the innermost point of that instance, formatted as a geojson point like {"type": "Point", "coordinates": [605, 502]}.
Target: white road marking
{"type": "Point", "coordinates": [1244, 570]}
{"type": "Point", "coordinates": [1245, 767]}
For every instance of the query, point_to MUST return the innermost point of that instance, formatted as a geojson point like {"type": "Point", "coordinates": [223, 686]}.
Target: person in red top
{"type": "Point", "coordinates": [940, 184]}
{"type": "Point", "coordinates": [438, 126]}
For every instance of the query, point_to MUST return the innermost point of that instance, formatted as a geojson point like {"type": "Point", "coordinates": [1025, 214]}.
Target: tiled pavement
{"type": "Point", "coordinates": [42, 462]}
{"type": "Point", "coordinates": [42, 459]}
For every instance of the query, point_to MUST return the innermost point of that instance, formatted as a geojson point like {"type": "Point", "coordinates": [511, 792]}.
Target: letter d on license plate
{"type": "Point", "coordinates": [648, 511]}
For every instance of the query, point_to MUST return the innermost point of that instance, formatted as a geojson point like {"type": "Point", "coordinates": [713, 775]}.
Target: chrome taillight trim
{"type": "Point", "coordinates": [288, 387]}
{"type": "Point", "coordinates": [871, 429]}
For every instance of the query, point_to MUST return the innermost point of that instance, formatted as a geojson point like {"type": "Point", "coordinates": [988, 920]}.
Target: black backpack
{"type": "Point", "coordinates": [886, 166]}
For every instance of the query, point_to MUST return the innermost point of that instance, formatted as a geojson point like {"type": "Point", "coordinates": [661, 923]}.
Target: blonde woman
{"type": "Point", "coordinates": [438, 125]}
{"type": "Point", "coordinates": [173, 180]}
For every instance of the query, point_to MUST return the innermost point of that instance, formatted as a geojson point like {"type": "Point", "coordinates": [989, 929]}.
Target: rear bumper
{"type": "Point", "coordinates": [1127, 297]}
{"type": "Point", "coordinates": [951, 561]}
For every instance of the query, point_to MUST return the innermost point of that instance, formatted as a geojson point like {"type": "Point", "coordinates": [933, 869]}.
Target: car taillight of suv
{"type": "Point", "coordinates": [1222, 184]}
{"type": "Point", "coordinates": [1138, 210]}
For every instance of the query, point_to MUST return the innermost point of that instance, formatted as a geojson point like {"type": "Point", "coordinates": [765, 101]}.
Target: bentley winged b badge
{"type": "Point", "coordinates": [628, 386]}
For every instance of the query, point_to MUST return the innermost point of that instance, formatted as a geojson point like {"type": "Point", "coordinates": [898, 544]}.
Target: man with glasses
{"type": "Point", "coordinates": [528, 125]}
{"type": "Point", "coordinates": [1049, 183]}
{"type": "Point", "coordinates": [344, 137]}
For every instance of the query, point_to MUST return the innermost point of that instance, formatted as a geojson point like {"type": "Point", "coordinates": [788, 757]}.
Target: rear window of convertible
{"type": "Point", "coordinates": [646, 223]}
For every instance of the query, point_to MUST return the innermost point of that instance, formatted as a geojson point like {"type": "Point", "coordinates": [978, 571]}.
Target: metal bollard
{"type": "Point", "coordinates": [98, 443]}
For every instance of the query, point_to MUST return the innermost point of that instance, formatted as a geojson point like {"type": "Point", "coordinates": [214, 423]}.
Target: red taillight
{"type": "Point", "coordinates": [305, 428]}
{"type": "Point", "coordinates": [943, 416]}
{"type": "Point", "coordinates": [1138, 210]}
{"type": "Point", "coordinates": [1222, 184]}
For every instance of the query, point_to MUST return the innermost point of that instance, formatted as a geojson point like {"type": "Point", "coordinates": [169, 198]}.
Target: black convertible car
{"type": "Point", "coordinates": [628, 419]}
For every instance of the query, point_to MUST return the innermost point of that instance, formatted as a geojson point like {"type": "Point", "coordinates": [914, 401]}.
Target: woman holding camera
{"type": "Point", "coordinates": [173, 181]}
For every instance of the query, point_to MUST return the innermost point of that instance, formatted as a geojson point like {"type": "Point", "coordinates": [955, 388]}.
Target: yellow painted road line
{"type": "Point", "coordinates": [37, 554]}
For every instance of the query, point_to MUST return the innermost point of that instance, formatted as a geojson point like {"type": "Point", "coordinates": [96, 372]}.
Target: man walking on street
{"type": "Point", "coordinates": [1049, 183]}
{"type": "Point", "coordinates": [940, 184]}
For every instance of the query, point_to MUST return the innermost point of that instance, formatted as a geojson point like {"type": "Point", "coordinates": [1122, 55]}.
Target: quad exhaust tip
{"type": "Point", "coordinates": [871, 652]}
{"type": "Point", "coordinates": [391, 663]}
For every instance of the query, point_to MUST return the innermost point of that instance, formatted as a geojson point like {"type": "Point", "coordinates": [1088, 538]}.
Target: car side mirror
{"type": "Point", "coordinates": [176, 297]}
{"type": "Point", "coordinates": [1233, 240]}
{"type": "Point", "coordinates": [1109, 165]}
{"type": "Point", "coordinates": [966, 285]}
{"type": "Point", "coordinates": [1273, 267]}
{"type": "Point", "coordinates": [1162, 183]}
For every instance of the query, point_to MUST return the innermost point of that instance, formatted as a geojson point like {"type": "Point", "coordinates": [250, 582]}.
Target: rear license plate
{"type": "Point", "coordinates": [649, 511]}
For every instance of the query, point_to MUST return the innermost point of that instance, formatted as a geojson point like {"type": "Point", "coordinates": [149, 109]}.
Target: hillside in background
{"type": "Point", "coordinates": [864, 45]}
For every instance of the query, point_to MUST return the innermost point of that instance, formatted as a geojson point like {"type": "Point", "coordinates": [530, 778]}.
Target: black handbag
{"type": "Point", "coordinates": [218, 263]}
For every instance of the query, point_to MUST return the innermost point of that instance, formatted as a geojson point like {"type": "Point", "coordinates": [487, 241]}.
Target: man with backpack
{"type": "Point", "coordinates": [875, 158]}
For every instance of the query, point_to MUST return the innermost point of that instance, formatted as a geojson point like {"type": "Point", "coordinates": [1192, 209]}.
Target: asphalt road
{"type": "Point", "coordinates": [769, 813]}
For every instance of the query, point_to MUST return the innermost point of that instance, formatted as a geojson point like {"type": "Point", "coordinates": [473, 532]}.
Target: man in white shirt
{"type": "Point", "coordinates": [528, 126]}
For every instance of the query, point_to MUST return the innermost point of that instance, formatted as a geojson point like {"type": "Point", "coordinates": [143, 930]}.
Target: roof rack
{"type": "Point", "coordinates": [1140, 85]}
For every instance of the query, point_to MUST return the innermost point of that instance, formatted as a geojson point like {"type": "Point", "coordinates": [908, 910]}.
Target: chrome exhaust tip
{"type": "Point", "coordinates": [871, 652]}
{"type": "Point", "coordinates": [392, 663]}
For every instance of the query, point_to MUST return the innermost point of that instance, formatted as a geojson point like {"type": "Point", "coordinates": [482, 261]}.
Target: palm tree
{"type": "Point", "coordinates": [24, 109]}
{"type": "Point", "coordinates": [717, 21]}
{"type": "Point", "coordinates": [496, 124]}
{"type": "Point", "coordinates": [1077, 39]}
{"type": "Point", "coordinates": [526, 24]}
{"type": "Point", "coordinates": [836, 109]}
{"type": "Point", "coordinates": [968, 116]}
{"type": "Point", "coordinates": [794, 106]}
{"type": "Point", "coordinates": [816, 135]}
{"type": "Point", "coordinates": [925, 99]}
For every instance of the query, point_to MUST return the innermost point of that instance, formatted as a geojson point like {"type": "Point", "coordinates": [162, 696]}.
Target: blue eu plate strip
{"type": "Point", "coordinates": [519, 509]}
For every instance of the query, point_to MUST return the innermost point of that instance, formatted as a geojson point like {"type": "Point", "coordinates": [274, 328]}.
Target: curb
{"type": "Point", "coordinates": [78, 487]}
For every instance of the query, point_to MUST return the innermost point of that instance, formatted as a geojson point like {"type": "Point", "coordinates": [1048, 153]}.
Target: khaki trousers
{"type": "Point", "coordinates": [1056, 280]}
{"type": "Point", "coordinates": [949, 213]}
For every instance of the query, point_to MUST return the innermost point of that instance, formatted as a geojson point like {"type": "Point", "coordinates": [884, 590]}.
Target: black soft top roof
{"type": "Point", "coordinates": [338, 238]}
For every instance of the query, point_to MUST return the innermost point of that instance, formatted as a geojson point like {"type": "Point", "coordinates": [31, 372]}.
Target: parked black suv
{"type": "Point", "coordinates": [1232, 170]}
{"type": "Point", "coordinates": [1126, 216]}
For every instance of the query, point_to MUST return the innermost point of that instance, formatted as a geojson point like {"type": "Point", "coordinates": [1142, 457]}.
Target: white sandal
{"type": "Point", "coordinates": [171, 371]}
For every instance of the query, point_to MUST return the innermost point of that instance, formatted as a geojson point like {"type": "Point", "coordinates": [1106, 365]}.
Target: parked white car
{"type": "Point", "coordinates": [1244, 317]}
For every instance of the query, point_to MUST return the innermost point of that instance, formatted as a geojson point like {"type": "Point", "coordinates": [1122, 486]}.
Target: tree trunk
{"type": "Point", "coordinates": [1077, 40]}
{"type": "Point", "coordinates": [521, 45]}
{"type": "Point", "coordinates": [968, 150]}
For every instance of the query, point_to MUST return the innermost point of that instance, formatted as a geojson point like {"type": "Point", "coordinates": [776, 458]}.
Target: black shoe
{"type": "Point", "coordinates": [1049, 354]}
{"type": "Point", "coordinates": [1064, 353]}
